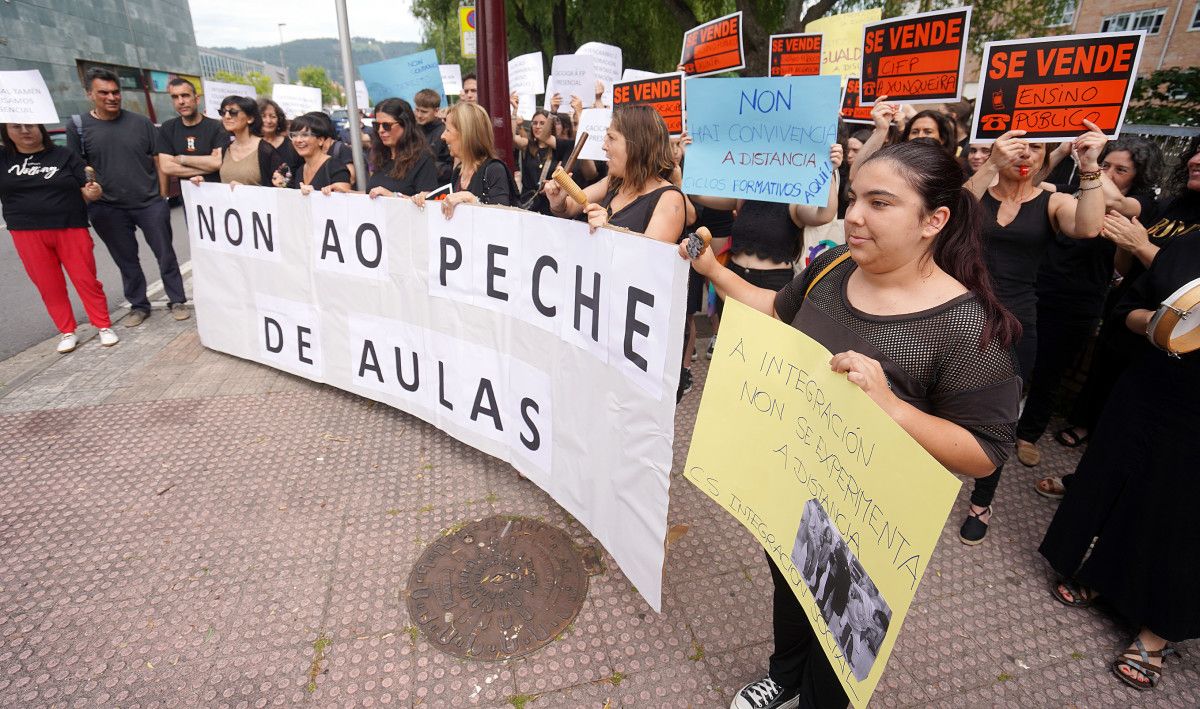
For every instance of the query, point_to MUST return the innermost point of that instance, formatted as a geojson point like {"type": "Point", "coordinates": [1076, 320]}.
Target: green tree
{"type": "Point", "coordinates": [1167, 97]}
{"type": "Point", "coordinates": [261, 82]}
{"type": "Point", "coordinates": [316, 77]}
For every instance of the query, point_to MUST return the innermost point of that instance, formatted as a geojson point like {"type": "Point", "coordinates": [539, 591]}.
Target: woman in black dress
{"type": "Point", "coordinates": [543, 152]}
{"type": "Point", "coordinates": [1126, 528]}
{"type": "Point", "coordinates": [401, 161]}
{"type": "Point", "coordinates": [479, 176]}
{"type": "Point", "coordinates": [913, 320]}
{"type": "Point", "coordinates": [319, 171]}
{"type": "Point", "coordinates": [275, 132]}
{"type": "Point", "coordinates": [1019, 221]}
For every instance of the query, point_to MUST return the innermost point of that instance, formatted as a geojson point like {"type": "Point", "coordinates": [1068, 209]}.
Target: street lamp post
{"type": "Point", "coordinates": [282, 63]}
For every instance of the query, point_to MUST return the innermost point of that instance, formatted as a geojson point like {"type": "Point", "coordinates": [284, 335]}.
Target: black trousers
{"type": "Point", "coordinates": [1027, 351]}
{"type": "Point", "coordinates": [1115, 348]}
{"type": "Point", "coordinates": [798, 660]}
{"type": "Point", "coordinates": [116, 228]}
{"type": "Point", "coordinates": [771, 278]}
{"type": "Point", "coordinates": [1060, 341]}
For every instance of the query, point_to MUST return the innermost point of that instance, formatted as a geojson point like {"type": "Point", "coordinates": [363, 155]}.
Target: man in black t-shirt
{"type": "Point", "coordinates": [123, 148]}
{"type": "Point", "coordinates": [426, 109]}
{"type": "Point", "coordinates": [192, 142]}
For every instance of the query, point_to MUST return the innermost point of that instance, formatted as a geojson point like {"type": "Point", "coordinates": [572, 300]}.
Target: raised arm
{"type": "Point", "coordinates": [882, 114]}
{"type": "Point", "coordinates": [1083, 218]}
{"type": "Point", "coordinates": [1007, 149]}
{"type": "Point", "coordinates": [730, 284]}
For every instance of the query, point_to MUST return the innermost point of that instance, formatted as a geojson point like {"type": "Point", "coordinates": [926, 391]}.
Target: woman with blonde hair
{"type": "Point", "coordinates": [479, 176]}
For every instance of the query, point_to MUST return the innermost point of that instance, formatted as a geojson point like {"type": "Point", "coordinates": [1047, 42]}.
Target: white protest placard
{"type": "Point", "coordinates": [607, 66]}
{"type": "Point", "coordinates": [451, 78]}
{"type": "Point", "coordinates": [296, 100]}
{"type": "Point", "coordinates": [526, 106]}
{"type": "Point", "coordinates": [572, 75]}
{"type": "Point", "coordinates": [217, 91]}
{"type": "Point", "coordinates": [360, 95]}
{"type": "Point", "coordinates": [505, 329]}
{"type": "Point", "coordinates": [24, 98]}
{"type": "Point", "coordinates": [526, 74]}
{"type": "Point", "coordinates": [635, 74]}
{"type": "Point", "coordinates": [594, 122]}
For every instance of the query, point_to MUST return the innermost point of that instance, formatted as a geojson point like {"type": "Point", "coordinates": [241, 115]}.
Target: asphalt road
{"type": "Point", "coordinates": [23, 318]}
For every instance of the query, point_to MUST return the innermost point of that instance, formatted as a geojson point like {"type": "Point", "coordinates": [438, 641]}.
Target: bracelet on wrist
{"type": "Point", "coordinates": [1085, 189]}
{"type": "Point", "coordinates": [1089, 175]}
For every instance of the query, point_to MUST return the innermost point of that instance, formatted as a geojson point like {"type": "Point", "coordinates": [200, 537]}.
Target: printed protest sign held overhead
{"type": "Point", "coordinates": [795, 55]}
{"type": "Point", "coordinates": [842, 41]}
{"type": "Point", "coordinates": [526, 75]}
{"type": "Point", "coordinates": [24, 98]}
{"type": "Point", "coordinates": [571, 75]}
{"type": "Point", "coordinates": [847, 505]}
{"type": "Point", "coordinates": [916, 58]}
{"type": "Point", "coordinates": [294, 99]}
{"type": "Point", "coordinates": [607, 63]}
{"type": "Point", "coordinates": [714, 47]}
{"type": "Point", "coordinates": [595, 123]}
{"type": "Point", "coordinates": [1048, 87]}
{"type": "Point", "coordinates": [403, 77]}
{"type": "Point", "coordinates": [451, 78]}
{"type": "Point", "coordinates": [852, 109]}
{"type": "Point", "coordinates": [764, 138]}
{"type": "Point", "coordinates": [664, 93]}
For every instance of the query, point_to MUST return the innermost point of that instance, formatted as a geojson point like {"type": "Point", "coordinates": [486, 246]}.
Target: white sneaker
{"type": "Point", "coordinates": [108, 338]}
{"type": "Point", "coordinates": [765, 694]}
{"type": "Point", "coordinates": [67, 343]}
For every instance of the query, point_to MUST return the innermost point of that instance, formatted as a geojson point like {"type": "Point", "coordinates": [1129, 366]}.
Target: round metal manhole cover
{"type": "Point", "coordinates": [498, 588]}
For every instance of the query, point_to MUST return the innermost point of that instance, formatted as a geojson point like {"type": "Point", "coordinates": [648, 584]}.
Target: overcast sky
{"type": "Point", "coordinates": [251, 23]}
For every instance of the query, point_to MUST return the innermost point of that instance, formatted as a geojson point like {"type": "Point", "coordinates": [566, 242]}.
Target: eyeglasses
{"type": "Point", "coordinates": [300, 136]}
{"type": "Point", "coordinates": [386, 126]}
{"type": "Point", "coordinates": [231, 112]}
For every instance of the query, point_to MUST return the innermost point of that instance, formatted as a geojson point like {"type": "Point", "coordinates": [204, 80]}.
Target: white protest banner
{"type": "Point", "coordinates": [635, 74]}
{"type": "Point", "coordinates": [526, 74]}
{"type": "Point", "coordinates": [607, 66]}
{"type": "Point", "coordinates": [594, 122]}
{"type": "Point", "coordinates": [508, 330]}
{"type": "Point", "coordinates": [360, 95]}
{"type": "Point", "coordinates": [216, 91]}
{"type": "Point", "coordinates": [572, 75]}
{"type": "Point", "coordinates": [451, 78]}
{"type": "Point", "coordinates": [24, 98]}
{"type": "Point", "coordinates": [296, 100]}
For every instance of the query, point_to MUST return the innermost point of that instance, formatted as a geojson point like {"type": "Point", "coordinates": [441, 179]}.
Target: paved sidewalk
{"type": "Point", "coordinates": [183, 528]}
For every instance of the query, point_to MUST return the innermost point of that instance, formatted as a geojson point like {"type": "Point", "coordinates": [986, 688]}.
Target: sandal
{"type": "Point", "coordinates": [1080, 597]}
{"type": "Point", "coordinates": [1028, 453]}
{"type": "Point", "coordinates": [1051, 487]}
{"type": "Point", "coordinates": [1070, 439]}
{"type": "Point", "coordinates": [1141, 665]}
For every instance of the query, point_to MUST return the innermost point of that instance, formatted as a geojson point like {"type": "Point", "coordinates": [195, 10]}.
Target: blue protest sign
{"type": "Point", "coordinates": [403, 77]}
{"type": "Point", "coordinates": [764, 138]}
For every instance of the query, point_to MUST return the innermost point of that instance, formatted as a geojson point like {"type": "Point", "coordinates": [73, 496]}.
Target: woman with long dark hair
{"type": "Point", "coordinates": [248, 159]}
{"type": "Point", "coordinates": [544, 152]}
{"type": "Point", "coordinates": [908, 308]}
{"type": "Point", "coordinates": [1020, 219]}
{"type": "Point", "coordinates": [401, 161]}
{"type": "Point", "coordinates": [930, 125]}
{"type": "Point", "coordinates": [45, 189]}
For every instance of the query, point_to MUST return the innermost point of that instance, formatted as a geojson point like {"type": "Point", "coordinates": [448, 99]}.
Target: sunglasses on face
{"type": "Point", "coordinates": [231, 112]}
{"type": "Point", "coordinates": [386, 126]}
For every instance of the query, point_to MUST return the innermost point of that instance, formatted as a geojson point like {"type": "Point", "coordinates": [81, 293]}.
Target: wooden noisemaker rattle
{"type": "Point", "coordinates": [564, 181]}
{"type": "Point", "coordinates": [698, 241]}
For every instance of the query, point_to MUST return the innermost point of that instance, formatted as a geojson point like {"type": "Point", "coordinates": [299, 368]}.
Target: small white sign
{"type": "Point", "coordinates": [572, 75]}
{"type": "Point", "coordinates": [451, 78]}
{"type": "Point", "coordinates": [526, 106]}
{"type": "Point", "coordinates": [636, 74]}
{"type": "Point", "coordinates": [607, 65]}
{"type": "Point", "coordinates": [361, 96]}
{"type": "Point", "coordinates": [296, 100]}
{"type": "Point", "coordinates": [595, 123]}
{"type": "Point", "coordinates": [526, 75]}
{"type": "Point", "coordinates": [24, 98]}
{"type": "Point", "coordinates": [216, 91]}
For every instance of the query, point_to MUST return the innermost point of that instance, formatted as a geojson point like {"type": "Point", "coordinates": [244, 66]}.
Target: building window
{"type": "Point", "coordinates": [1065, 18]}
{"type": "Point", "coordinates": [1195, 19]}
{"type": "Point", "coordinates": [1148, 20]}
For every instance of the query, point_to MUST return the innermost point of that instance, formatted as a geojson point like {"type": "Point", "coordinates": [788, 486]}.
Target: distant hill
{"type": "Point", "coordinates": [325, 53]}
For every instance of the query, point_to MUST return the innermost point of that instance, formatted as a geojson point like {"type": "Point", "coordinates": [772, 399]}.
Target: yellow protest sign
{"type": "Point", "coordinates": [845, 502]}
{"type": "Point", "coordinates": [841, 48]}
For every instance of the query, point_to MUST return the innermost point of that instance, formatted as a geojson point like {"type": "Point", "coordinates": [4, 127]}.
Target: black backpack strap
{"type": "Point", "coordinates": [77, 121]}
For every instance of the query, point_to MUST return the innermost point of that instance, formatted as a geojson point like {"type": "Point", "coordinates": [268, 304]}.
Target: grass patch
{"type": "Point", "coordinates": [1077, 655]}
{"type": "Point", "coordinates": [413, 633]}
{"type": "Point", "coordinates": [320, 645]}
{"type": "Point", "coordinates": [520, 700]}
{"type": "Point", "coordinates": [1004, 677]}
{"type": "Point", "coordinates": [697, 651]}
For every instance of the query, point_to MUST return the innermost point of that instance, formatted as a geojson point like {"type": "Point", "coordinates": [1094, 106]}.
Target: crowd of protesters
{"type": "Point", "coordinates": [952, 279]}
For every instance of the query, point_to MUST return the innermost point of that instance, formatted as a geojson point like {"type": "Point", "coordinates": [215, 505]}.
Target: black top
{"type": "Point", "coordinates": [122, 152]}
{"type": "Point", "coordinates": [492, 184]}
{"type": "Point", "coordinates": [931, 358]}
{"type": "Point", "coordinates": [1014, 252]}
{"type": "Point", "coordinates": [201, 139]}
{"type": "Point", "coordinates": [330, 172]}
{"type": "Point", "coordinates": [421, 177]}
{"type": "Point", "coordinates": [718, 221]}
{"type": "Point", "coordinates": [287, 152]}
{"type": "Point", "coordinates": [41, 190]}
{"type": "Point", "coordinates": [269, 160]}
{"type": "Point", "coordinates": [1180, 216]}
{"type": "Point", "coordinates": [766, 230]}
{"type": "Point", "coordinates": [1075, 275]}
{"type": "Point", "coordinates": [636, 215]}
{"type": "Point", "coordinates": [1174, 267]}
{"type": "Point", "coordinates": [441, 152]}
{"type": "Point", "coordinates": [542, 161]}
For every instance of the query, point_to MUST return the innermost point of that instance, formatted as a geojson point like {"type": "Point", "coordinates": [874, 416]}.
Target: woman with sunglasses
{"type": "Point", "coordinates": [248, 159]}
{"type": "Point", "coordinates": [401, 161]}
{"type": "Point", "coordinates": [309, 136]}
{"type": "Point", "coordinates": [45, 190]}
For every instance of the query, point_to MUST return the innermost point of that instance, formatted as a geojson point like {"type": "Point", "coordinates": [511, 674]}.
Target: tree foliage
{"type": "Point", "coordinates": [1167, 97]}
{"type": "Point", "coordinates": [261, 82]}
{"type": "Point", "coordinates": [318, 78]}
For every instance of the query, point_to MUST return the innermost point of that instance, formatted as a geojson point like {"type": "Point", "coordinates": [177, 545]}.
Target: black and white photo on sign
{"type": "Point", "coordinates": [857, 615]}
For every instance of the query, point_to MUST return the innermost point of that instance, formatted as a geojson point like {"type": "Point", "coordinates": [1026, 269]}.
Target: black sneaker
{"type": "Point", "coordinates": [765, 694]}
{"type": "Point", "coordinates": [711, 346]}
{"type": "Point", "coordinates": [685, 384]}
{"type": "Point", "coordinates": [974, 529]}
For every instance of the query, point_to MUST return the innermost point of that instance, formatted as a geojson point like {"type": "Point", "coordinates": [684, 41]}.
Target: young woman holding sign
{"type": "Point", "coordinates": [1019, 221]}
{"type": "Point", "coordinates": [907, 307]}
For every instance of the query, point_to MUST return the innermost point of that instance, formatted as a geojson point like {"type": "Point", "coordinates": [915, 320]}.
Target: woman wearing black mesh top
{"type": "Point", "coordinates": [913, 320]}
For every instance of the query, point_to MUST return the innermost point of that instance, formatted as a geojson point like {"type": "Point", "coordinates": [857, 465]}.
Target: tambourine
{"type": "Point", "coordinates": [1175, 327]}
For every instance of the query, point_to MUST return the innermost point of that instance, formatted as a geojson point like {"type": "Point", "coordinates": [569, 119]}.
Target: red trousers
{"type": "Point", "coordinates": [45, 253]}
